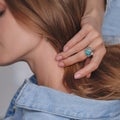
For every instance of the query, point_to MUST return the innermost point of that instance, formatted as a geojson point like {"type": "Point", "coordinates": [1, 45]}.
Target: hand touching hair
{"type": "Point", "coordinates": [59, 21]}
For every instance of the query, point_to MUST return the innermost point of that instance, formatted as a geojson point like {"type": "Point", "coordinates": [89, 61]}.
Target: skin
{"type": "Point", "coordinates": [18, 43]}
{"type": "Point", "coordinates": [10, 32]}
{"type": "Point", "coordinates": [89, 35]}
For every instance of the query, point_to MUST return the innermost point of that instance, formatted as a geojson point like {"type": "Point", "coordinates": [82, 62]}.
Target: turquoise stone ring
{"type": "Point", "coordinates": [88, 51]}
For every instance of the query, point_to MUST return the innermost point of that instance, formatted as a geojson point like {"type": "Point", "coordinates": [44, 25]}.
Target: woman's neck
{"type": "Point", "coordinates": [43, 64]}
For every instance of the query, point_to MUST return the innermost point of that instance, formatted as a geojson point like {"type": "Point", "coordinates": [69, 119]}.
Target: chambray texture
{"type": "Point", "coordinates": [33, 102]}
{"type": "Point", "coordinates": [111, 23]}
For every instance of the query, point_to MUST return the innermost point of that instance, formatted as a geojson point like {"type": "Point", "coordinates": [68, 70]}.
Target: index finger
{"type": "Point", "coordinates": [77, 38]}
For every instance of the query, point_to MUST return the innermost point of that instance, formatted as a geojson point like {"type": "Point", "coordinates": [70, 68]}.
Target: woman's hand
{"type": "Point", "coordinates": [74, 50]}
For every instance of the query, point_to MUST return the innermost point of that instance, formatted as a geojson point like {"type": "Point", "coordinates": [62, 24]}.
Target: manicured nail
{"type": "Point", "coordinates": [59, 57]}
{"type": "Point", "coordinates": [65, 49]}
{"type": "Point", "coordinates": [61, 64]}
{"type": "Point", "coordinates": [77, 76]}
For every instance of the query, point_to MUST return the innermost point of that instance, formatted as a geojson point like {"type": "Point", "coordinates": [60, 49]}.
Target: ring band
{"type": "Point", "coordinates": [88, 52]}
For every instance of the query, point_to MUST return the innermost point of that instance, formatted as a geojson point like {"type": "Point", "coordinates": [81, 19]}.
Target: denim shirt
{"type": "Point", "coordinates": [111, 22]}
{"type": "Point", "coordinates": [33, 102]}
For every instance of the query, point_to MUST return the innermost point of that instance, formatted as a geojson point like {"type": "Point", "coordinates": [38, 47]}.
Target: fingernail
{"type": "Point", "coordinates": [77, 76]}
{"type": "Point", "coordinates": [59, 57]}
{"type": "Point", "coordinates": [61, 64]}
{"type": "Point", "coordinates": [65, 49]}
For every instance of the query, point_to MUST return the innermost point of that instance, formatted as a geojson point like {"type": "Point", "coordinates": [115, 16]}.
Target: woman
{"type": "Point", "coordinates": [37, 27]}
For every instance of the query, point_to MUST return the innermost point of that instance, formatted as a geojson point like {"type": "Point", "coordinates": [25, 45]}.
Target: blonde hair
{"type": "Point", "coordinates": [59, 20]}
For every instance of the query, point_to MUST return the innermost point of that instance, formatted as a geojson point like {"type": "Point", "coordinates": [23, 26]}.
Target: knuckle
{"type": "Point", "coordinates": [97, 34]}
{"type": "Point", "coordinates": [68, 62]}
{"type": "Point", "coordinates": [100, 42]}
{"type": "Point", "coordinates": [69, 44]}
{"type": "Point", "coordinates": [95, 66]}
{"type": "Point", "coordinates": [85, 72]}
{"type": "Point", "coordinates": [79, 57]}
{"type": "Point", "coordinates": [104, 52]}
{"type": "Point", "coordinates": [65, 55]}
{"type": "Point", "coordinates": [88, 27]}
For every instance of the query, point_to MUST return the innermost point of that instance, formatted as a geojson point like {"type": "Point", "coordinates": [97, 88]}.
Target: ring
{"type": "Point", "coordinates": [88, 52]}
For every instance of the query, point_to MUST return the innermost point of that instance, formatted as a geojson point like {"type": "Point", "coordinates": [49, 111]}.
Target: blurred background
{"type": "Point", "coordinates": [11, 77]}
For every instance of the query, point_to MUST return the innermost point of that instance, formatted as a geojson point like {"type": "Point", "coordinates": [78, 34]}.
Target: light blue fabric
{"type": "Point", "coordinates": [111, 40]}
{"type": "Point", "coordinates": [42, 103]}
{"type": "Point", "coordinates": [111, 23]}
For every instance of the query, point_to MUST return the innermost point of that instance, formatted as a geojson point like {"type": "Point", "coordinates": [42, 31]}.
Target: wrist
{"type": "Point", "coordinates": [93, 17]}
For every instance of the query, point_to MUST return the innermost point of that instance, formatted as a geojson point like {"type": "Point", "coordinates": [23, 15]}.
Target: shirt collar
{"type": "Point", "coordinates": [40, 98]}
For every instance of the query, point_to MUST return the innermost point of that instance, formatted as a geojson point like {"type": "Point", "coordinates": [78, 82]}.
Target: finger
{"type": "Point", "coordinates": [92, 66]}
{"type": "Point", "coordinates": [80, 56]}
{"type": "Point", "coordinates": [73, 59]}
{"type": "Point", "coordinates": [77, 38]}
{"type": "Point", "coordinates": [78, 47]}
{"type": "Point", "coordinates": [97, 44]}
{"type": "Point", "coordinates": [87, 61]}
{"type": "Point", "coordinates": [89, 75]}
